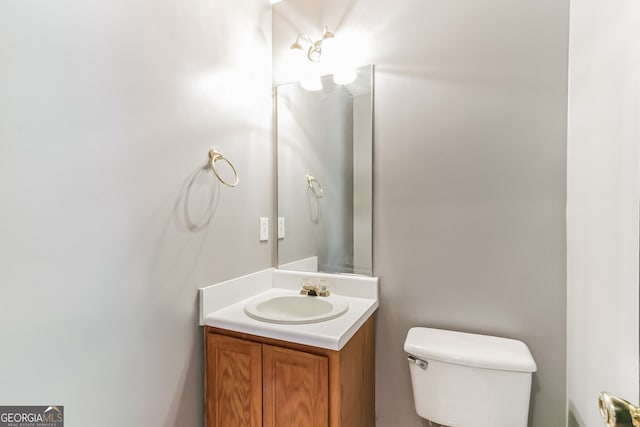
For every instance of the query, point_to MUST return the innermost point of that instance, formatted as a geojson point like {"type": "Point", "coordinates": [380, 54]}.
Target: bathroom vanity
{"type": "Point", "coordinates": [259, 373]}
{"type": "Point", "coordinates": [256, 381]}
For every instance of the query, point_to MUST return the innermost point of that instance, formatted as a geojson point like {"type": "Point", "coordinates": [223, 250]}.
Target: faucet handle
{"type": "Point", "coordinates": [323, 292]}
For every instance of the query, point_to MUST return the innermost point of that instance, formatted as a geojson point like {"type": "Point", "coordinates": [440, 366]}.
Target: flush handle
{"type": "Point", "coordinates": [417, 361]}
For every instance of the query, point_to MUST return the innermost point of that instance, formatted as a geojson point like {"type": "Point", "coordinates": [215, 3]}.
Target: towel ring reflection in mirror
{"type": "Point", "coordinates": [214, 156]}
{"type": "Point", "coordinates": [315, 187]}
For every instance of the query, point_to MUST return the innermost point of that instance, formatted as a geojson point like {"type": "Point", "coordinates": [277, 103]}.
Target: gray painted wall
{"type": "Point", "coordinates": [107, 108]}
{"type": "Point", "coordinates": [469, 174]}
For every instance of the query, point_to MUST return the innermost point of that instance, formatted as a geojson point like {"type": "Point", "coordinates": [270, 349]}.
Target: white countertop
{"type": "Point", "coordinates": [222, 306]}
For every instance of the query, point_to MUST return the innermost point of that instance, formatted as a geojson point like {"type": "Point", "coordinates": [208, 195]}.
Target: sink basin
{"type": "Point", "coordinates": [296, 309]}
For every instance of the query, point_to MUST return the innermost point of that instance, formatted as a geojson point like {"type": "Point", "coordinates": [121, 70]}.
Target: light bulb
{"type": "Point", "coordinates": [345, 76]}
{"type": "Point", "coordinates": [328, 43]}
{"type": "Point", "coordinates": [312, 83]}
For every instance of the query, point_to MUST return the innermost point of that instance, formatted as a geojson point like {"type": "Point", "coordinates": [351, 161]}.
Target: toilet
{"type": "Point", "coordinates": [469, 380]}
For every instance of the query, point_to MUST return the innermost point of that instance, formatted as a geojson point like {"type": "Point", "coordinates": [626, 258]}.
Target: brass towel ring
{"type": "Point", "coordinates": [316, 189]}
{"type": "Point", "coordinates": [214, 156]}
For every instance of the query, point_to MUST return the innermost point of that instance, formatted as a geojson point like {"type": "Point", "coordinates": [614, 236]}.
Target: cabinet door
{"type": "Point", "coordinates": [234, 382]}
{"type": "Point", "coordinates": [296, 388]}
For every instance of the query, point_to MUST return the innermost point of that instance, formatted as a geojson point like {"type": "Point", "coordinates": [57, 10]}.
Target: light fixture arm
{"type": "Point", "coordinates": [301, 37]}
{"type": "Point", "coordinates": [314, 51]}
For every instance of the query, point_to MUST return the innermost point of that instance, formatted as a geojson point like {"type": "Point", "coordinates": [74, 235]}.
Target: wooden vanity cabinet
{"type": "Point", "coordinates": [295, 391]}
{"type": "Point", "coordinates": [253, 381]}
{"type": "Point", "coordinates": [233, 382]}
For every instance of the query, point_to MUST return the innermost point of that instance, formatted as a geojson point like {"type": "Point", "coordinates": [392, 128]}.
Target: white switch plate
{"type": "Point", "coordinates": [264, 229]}
{"type": "Point", "coordinates": [280, 227]}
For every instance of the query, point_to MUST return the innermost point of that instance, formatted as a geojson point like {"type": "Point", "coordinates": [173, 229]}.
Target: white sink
{"type": "Point", "coordinates": [296, 309]}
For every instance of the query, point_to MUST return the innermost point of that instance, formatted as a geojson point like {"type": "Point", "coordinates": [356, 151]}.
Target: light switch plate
{"type": "Point", "coordinates": [264, 229]}
{"type": "Point", "coordinates": [280, 227]}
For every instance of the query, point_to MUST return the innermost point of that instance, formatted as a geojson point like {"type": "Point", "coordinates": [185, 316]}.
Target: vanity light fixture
{"type": "Point", "coordinates": [314, 49]}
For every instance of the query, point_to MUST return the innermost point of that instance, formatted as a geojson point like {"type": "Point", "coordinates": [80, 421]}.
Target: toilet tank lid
{"type": "Point", "coordinates": [460, 348]}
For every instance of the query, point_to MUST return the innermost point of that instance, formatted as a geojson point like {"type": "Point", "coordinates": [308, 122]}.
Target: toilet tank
{"type": "Point", "coordinates": [468, 380]}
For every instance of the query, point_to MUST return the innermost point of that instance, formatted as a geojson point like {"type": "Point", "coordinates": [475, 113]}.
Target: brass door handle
{"type": "Point", "coordinates": [618, 412]}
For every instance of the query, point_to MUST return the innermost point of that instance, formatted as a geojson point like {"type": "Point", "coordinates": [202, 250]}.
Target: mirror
{"type": "Point", "coordinates": [324, 145]}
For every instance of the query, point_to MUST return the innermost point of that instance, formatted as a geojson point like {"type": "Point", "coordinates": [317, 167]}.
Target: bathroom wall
{"type": "Point", "coordinates": [469, 174]}
{"type": "Point", "coordinates": [107, 112]}
{"type": "Point", "coordinates": [602, 206]}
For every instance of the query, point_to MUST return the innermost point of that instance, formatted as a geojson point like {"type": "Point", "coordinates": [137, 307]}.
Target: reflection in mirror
{"type": "Point", "coordinates": [324, 170]}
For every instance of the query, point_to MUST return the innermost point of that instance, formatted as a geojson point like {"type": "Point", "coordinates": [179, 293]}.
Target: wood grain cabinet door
{"type": "Point", "coordinates": [233, 382]}
{"type": "Point", "coordinates": [296, 388]}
